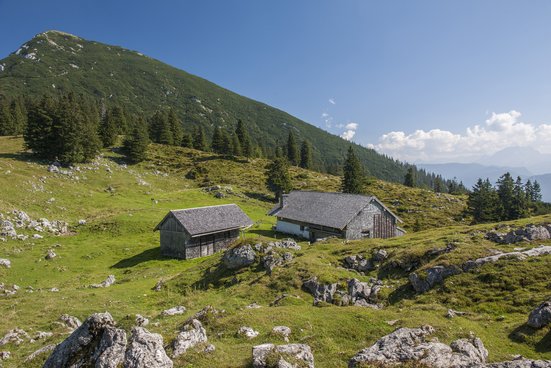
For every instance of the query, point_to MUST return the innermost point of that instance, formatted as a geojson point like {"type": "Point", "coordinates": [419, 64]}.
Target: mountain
{"type": "Point", "coordinates": [54, 62]}
{"type": "Point", "coordinates": [469, 173]}
{"type": "Point", "coordinates": [527, 157]}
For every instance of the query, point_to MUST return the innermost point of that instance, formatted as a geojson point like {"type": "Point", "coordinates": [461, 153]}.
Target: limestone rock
{"type": "Point", "coordinates": [141, 321]}
{"type": "Point", "coordinates": [97, 342]}
{"type": "Point", "coordinates": [358, 263]}
{"type": "Point", "coordinates": [50, 255]}
{"type": "Point", "coordinates": [282, 331]}
{"type": "Point", "coordinates": [5, 263]}
{"type": "Point", "coordinates": [145, 350]}
{"type": "Point", "coordinates": [110, 280]}
{"type": "Point", "coordinates": [4, 355]}
{"type": "Point", "coordinates": [205, 314]}
{"type": "Point", "coordinates": [541, 316]}
{"type": "Point", "coordinates": [435, 275]}
{"type": "Point", "coordinates": [158, 286]}
{"type": "Point", "coordinates": [174, 311]}
{"type": "Point", "coordinates": [321, 292]}
{"type": "Point", "coordinates": [239, 257]}
{"type": "Point", "coordinates": [528, 233]}
{"type": "Point", "coordinates": [192, 334]}
{"type": "Point", "coordinates": [409, 345]}
{"type": "Point", "coordinates": [288, 356]}
{"type": "Point", "coordinates": [70, 321]}
{"type": "Point", "coordinates": [15, 336]}
{"type": "Point", "coordinates": [248, 332]}
{"type": "Point", "coordinates": [521, 363]}
{"type": "Point", "coordinates": [519, 255]}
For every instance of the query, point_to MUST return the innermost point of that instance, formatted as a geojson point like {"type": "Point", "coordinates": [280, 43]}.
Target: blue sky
{"type": "Point", "coordinates": [420, 80]}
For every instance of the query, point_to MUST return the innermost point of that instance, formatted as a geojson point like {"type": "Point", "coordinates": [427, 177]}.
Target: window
{"type": "Point", "coordinates": [301, 227]}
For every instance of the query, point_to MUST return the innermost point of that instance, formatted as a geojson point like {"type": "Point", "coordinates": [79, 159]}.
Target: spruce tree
{"type": "Point", "coordinates": [306, 155]}
{"type": "Point", "coordinates": [519, 206]}
{"type": "Point", "coordinates": [438, 184]}
{"type": "Point", "coordinates": [165, 130]}
{"type": "Point", "coordinates": [217, 142]}
{"type": "Point", "coordinates": [409, 179]}
{"type": "Point", "coordinates": [40, 132]}
{"type": "Point", "coordinates": [278, 179]}
{"type": "Point", "coordinates": [483, 202]}
{"type": "Point", "coordinates": [18, 117]}
{"type": "Point", "coordinates": [187, 140]}
{"type": "Point", "coordinates": [353, 178]}
{"type": "Point", "coordinates": [235, 146]}
{"type": "Point", "coordinates": [226, 148]}
{"type": "Point", "coordinates": [244, 139]}
{"type": "Point", "coordinates": [536, 192]}
{"type": "Point", "coordinates": [199, 141]}
{"type": "Point", "coordinates": [7, 124]}
{"type": "Point", "coordinates": [505, 191]}
{"type": "Point", "coordinates": [136, 143]}
{"type": "Point", "coordinates": [118, 117]}
{"type": "Point", "coordinates": [292, 151]}
{"type": "Point", "coordinates": [176, 128]}
{"type": "Point", "coordinates": [108, 130]}
{"type": "Point", "coordinates": [529, 191]}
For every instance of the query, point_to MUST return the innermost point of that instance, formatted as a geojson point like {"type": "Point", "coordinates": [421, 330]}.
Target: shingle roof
{"type": "Point", "coordinates": [211, 219]}
{"type": "Point", "coordinates": [334, 210]}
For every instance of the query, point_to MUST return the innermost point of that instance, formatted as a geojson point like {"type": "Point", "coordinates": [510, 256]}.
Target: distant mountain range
{"type": "Point", "coordinates": [525, 162]}
{"type": "Point", "coordinates": [54, 62]}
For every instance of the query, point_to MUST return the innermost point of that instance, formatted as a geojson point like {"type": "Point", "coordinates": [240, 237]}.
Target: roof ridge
{"type": "Point", "coordinates": [195, 208]}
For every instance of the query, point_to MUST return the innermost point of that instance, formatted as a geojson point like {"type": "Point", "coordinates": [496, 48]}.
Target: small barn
{"type": "Point", "coordinates": [201, 231]}
{"type": "Point", "coordinates": [317, 215]}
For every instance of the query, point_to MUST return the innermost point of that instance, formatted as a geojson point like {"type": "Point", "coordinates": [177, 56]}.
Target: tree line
{"type": "Point", "coordinates": [508, 199]}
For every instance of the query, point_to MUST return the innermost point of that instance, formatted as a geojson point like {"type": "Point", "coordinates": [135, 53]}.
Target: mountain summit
{"type": "Point", "coordinates": [56, 62]}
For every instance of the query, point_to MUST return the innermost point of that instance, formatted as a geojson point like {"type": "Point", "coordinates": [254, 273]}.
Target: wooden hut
{"type": "Point", "coordinates": [201, 231]}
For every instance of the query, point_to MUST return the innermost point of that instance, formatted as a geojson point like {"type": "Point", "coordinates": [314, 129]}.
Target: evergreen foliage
{"type": "Point", "coordinates": [292, 150]}
{"type": "Point", "coordinates": [245, 143]}
{"type": "Point", "coordinates": [483, 202]}
{"type": "Point", "coordinates": [199, 140]}
{"type": "Point", "coordinates": [278, 179]}
{"type": "Point", "coordinates": [135, 144]}
{"type": "Point", "coordinates": [306, 155]}
{"type": "Point", "coordinates": [175, 127]}
{"type": "Point", "coordinates": [409, 179]}
{"type": "Point", "coordinates": [187, 140]}
{"type": "Point", "coordinates": [108, 129]}
{"type": "Point", "coordinates": [353, 178]}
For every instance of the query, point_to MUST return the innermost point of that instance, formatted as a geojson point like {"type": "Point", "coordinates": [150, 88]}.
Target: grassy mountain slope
{"type": "Point", "coordinates": [122, 205]}
{"type": "Point", "coordinates": [54, 62]}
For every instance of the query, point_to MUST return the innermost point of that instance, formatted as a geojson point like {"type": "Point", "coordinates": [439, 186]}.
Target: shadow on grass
{"type": "Point", "coordinates": [145, 256]}
{"type": "Point", "coordinates": [267, 233]}
{"type": "Point", "coordinates": [260, 197]}
{"type": "Point", "coordinates": [522, 332]}
{"type": "Point", "coordinates": [403, 292]}
{"type": "Point", "coordinates": [220, 157]}
{"type": "Point", "coordinates": [544, 345]}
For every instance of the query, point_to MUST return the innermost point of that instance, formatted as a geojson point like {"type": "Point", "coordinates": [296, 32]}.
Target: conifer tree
{"type": "Point", "coordinates": [187, 141]}
{"type": "Point", "coordinates": [438, 184]}
{"type": "Point", "coordinates": [519, 206]}
{"type": "Point", "coordinates": [529, 191]}
{"type": "Point", "coordinates": [278, 151]}
{"type": "Point", "coordinates": [244, 139]}
{"type": "Point", "coordinates": [226, 148]}
{"type": "Point", "coordinates": [18, 117]}
{"type": "Point", "coordinates": [505, 191]}
{"type": "Point", "coordinates": [136, 143]}
{"type": "Point", "coordinates": [175, 127]}
{"type": "Point", "coordinates": [7, 125]}
{"type": "Point", "coordinates": [278, 179]}
{"type": "Point", "coordinates": [40, 132]}
{"type": "Point", "coordinates": [217, 140]}
{"type": "Point", "coordinates": [353, 178]}
{"type": "Point", "coordinates": [199, 141]}
{"type": "Point", "coordinates": [292, 151]}
{"type": "Point", "coordinates": [165, 130]}
{"type": "Point", "coordinates": [118, 117]}
{"type": "Point", "coordinates": [483, 202]}
{"type": "Point", "coordinates": [410, 179]}
{"type": "Point", "coordinates": [235, 146]}
{"type": "Point", "coordinates": [306, 155]}
{"type": "Point", "coordinates": [108, 130]}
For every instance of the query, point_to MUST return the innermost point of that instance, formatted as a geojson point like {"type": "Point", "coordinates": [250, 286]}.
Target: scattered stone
{"type": "Point", "coordinates": [72, 322]}
{"type": "Point", "coordinates": [42, 350]}
{"type": "Point", "coordinates": [528, 233]}
{"type": "Point", "coordinates": [253, 305]}
{"type": "Point", "coordinates": [110, 280]}
{"type": "Point", "coordinates": [451, 313]}
{"type": "Point", "coordinates": [209, 348]}
{"type": "Point", "coordinates": [50, 255]}
{"type": "Point", "coordinates": [239, 257]}
{"type": "Point", "coordinates": [4, 355]}
{"type": "Point", "coordinates": [54, 290]}
{"type": "Point", "coordinates": [158, 286]}
{"type": "Point", "coordinates": [380, 255]}
{"type": "Point", "coordinates": [357, 293]}
{"type": "Point", "coordinates": [520, 362]}
{"type": "Point", "coordinates": [174, 311]}
{"type": "Point", "coordinates": [192, 334]}
{"type": "Point", "coordinates": [15, 336]}
{"type": "Point", "coordinates": [82, 222]}
{"type": "Point", "coordinates": [541, 316]}
{"type": "Point", "coordinates": [97, 342]}
{"type": "Point", "coordinates": [247, 332]}
{"type": "Point", "coordinates": [285, 244]}
{"type": "Point", "coordinates": [392, 322]}
{"type": "Point", "coordinates": [282, 331]}
{"type": "Point", "coordinates": [5, 262]}
{"type": "Point", "coordinates": [37, 236]}
{"type": "Point", "coordinates": [409, 345]}
{"type": "Point", "coordinates": [145, 350]}
{"type": "Point", "coordinates": [287, 356]}
{"type": "Point", "coordinates": [42, 335]}
{"type": "Point", "coordinates": [141, 321]}
{"type": "Point", "coordinates": [435, 275]}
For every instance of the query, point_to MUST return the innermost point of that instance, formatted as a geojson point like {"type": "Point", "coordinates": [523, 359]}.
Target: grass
{"type": "Point", "coordinates": [118, 239]}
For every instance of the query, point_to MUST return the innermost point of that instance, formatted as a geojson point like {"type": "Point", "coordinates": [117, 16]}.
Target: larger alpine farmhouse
{"type": "Point", "coordinates": [317, 215]}
{"type": "Point", "coordinates": [201, 231]}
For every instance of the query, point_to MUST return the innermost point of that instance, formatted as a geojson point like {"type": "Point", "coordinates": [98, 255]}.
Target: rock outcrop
{"type": "Point", "coordinates": [192, 334]}
{"type": "Point", "coordinates": [528, 233]}
{"type": "Point", "coordinates": [239, 257]}
{"type": "Point", "coordinates": [282, 331]}
{"type": "Point", "coordinates": [357, 293]}
{"type": "Point", "coordinates": [71, 322]}
{"type": "Point", "coordinates": [248, 332]}
{"type": "Point", "coordinates": [541, 316]}
{"type": "Point", "coordinates": [361, 263]}
{"type": "Point", "coordinates": [174, 311]}
{"type": "Point", "coordinates": [435, 275]}
{"type": "Point", "coordinates": [410, 345]}
{"type": "Point", "coordinates": [145, 350]}
{"type": "Point", "coordinates": [286, 356]}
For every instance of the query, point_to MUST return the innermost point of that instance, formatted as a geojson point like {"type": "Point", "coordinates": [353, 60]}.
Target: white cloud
{"type": "Point", "coordinates": [499, 131]}
{"type": "Point", "coordinates": [332, 101]}
{"type": "Point", "coordinates": [328, 119]}
{"type": "Point", "coordinates": [350, 131]}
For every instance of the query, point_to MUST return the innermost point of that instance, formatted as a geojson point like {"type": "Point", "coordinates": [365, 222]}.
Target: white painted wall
{"type": "Point", "coordinates": [293, 229]}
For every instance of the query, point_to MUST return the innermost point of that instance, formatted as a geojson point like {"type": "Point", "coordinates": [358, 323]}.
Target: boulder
{"type": "Point", "coordinates": [72, 322]}
{"type": "Point", "coordinates": [282, 331]}
{"type": "Point", "coordinates": [110, 280]}
{"type": "Point", "coordinates": [361, 292]}
{"type": "Point", "coordinates": [5, 263]}
{"type": "Point", "coordinates": [528, 233]}
{"type": "Point", "coordinates": [541, 316]}
{"type": "Point", "coordinates": [321, 292]}
{"type": "Point", "coordinates": [145, 350]}
{"type": "Point", "coordinates": [248, 332]}
{"type": "Point", "coordinates": [97, 342]}
{"type": "Point", "coordinates": [359, 263]}
{"type": "Point", "coordinates": [409, 345]}
{"type": "Point", "coordinates": [435, 275]}
{"type": "Point", "coordinates": [380, 255]}
{"type": "Point", "coordinates": [4, 355]}
{"type": "Point", "coordinates": [50, 255]}
{"type": "Point", "coordinates": [174, 311]}
{"type": "Point", "coordinates": [158, 286]}
{"type": "Point", "coordinates": [286, 356]}
{"type": "Point", "coordinates": [239, 257]}
{"type": "Point", "coordinates": [192, 334]}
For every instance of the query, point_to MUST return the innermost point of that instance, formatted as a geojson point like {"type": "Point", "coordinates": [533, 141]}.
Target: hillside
{"type": "Point", "coordinates": [121, 204]}
{"type": "Point", "coordinates": [54, 62]}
